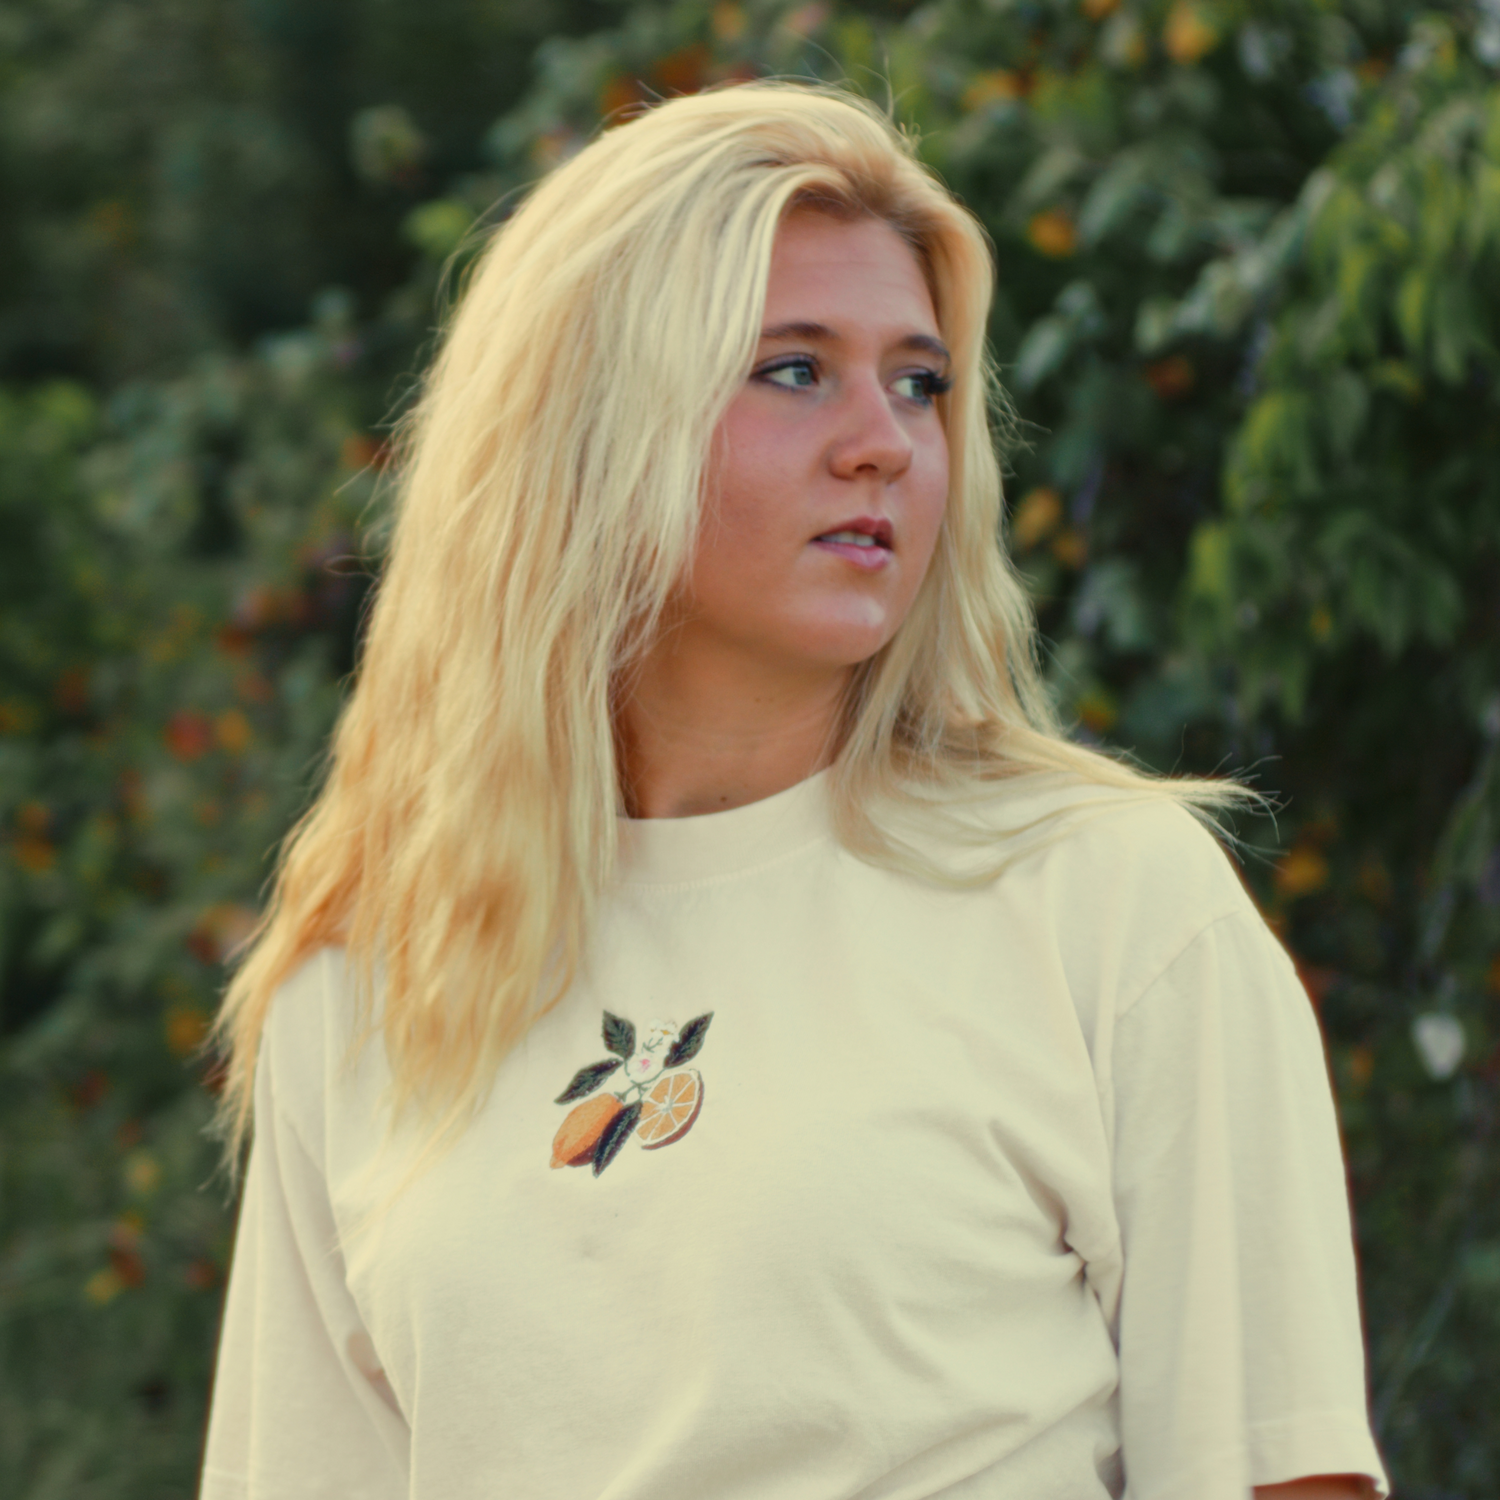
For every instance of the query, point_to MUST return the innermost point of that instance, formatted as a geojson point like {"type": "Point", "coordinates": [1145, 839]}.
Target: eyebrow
{"type": "Point", "coordinates": [916, 342]}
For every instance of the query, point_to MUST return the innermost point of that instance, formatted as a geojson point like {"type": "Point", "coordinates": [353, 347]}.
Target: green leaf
{"type": "Point", "coordinates": [616, 1133]}
{"type": "Point", "coordinates": [1155, 321]}
{"type": "Point", "coordinates": [1115, 192]}
{"type": "Point", "coordinates": [438, 228]}
{"type": "Point", "coordinates": [1412, 300]}
{"type": "Point", "coordinates": [586, 1080]}
{"type": "Point", "coordinates": [1043, 350]}
{"type": "Point", "coordinates": [1208, 566]}
{"type": "Point", "coordinates": [1346, 405]}
{"type": "Point", "coordinates": [690, 1043]}
{"type": "Point", "coordinates": [619, 1035]}
{"type": "Point", "coordinates": [1452, 330]}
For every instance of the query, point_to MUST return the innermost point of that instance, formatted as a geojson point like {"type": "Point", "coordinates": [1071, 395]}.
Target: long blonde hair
{"type": "Point", "coordinates": [548, 506]}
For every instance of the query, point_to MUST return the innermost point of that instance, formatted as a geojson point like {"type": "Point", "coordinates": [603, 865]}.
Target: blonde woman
{"type": "Point", "coordinates": [714, 1038]}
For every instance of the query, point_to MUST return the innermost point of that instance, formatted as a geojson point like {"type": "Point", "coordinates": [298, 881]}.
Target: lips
{"type": "Point", "coordinates": [862, 531]}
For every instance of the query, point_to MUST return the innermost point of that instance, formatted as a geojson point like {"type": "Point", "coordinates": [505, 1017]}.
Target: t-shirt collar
{"type": "Point", "coordinates": [666, 851]}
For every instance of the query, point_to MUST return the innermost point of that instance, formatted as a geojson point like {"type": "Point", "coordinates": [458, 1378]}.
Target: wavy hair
{"type": "Point", "coordinates": [550, 487]}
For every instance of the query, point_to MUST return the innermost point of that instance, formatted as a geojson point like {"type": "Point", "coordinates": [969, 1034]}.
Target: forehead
{"type": "Point", "coordinates": [846, 273]}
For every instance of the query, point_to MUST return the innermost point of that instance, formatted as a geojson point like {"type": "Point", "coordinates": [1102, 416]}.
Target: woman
{"type": "Point", "coordinates": [713, 1036]}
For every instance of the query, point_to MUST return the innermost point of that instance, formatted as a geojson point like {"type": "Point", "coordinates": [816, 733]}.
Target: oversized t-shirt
{"type": "Point", "coordinates": [824, 1181]}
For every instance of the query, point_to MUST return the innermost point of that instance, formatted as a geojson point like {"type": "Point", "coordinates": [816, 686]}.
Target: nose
{"type": "Point", "coordinates": [871, 442]}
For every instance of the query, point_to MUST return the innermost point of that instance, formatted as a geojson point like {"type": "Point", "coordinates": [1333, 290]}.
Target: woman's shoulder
{"type": "Point", "coordinates": [1032, 826]}
{"type": "Point", "coordinates": [1111, 877]}
{"type": "Point", "coordinates": [1129, 882]}
{"type": "Point", "coordinates": [312, 1021]}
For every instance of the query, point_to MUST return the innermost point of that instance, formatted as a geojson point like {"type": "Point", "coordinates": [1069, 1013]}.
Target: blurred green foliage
{"type": "Point", "coordinates": [1249, 311]}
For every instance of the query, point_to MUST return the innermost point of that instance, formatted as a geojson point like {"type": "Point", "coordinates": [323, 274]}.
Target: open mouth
{"type": "Point", "coordinates": [864, 533]}
{"type": "Point", "coordinates": [850, 538]}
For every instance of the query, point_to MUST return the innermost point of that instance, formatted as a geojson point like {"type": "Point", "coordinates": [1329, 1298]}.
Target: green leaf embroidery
{"type": "Point", "coordinates": [586, 1080]}
{"type": "Point", "coordinates": [616, 1133]}
{"type": "Point", "coordinates": [690, 1043]}
{"type": "Point", "coordinates": [619, 1035]}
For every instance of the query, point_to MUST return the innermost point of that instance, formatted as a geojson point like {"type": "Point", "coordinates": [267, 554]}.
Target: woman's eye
{"type": "Point", "coordinates": [797, 375]}
{"type": "Point", "coordinates": [922, 385]}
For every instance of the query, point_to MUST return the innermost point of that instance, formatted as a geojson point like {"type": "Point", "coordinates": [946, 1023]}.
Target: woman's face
{"type": "Point", "coordinates": [831, 467]}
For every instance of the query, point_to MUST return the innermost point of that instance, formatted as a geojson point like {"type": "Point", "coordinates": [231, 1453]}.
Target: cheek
{"type": "Point", "coordinates": [750, 512]}
{"type": "Point", "coordinates": [754, 468]}
{"type": "Point", "coordinates": [929, 498]}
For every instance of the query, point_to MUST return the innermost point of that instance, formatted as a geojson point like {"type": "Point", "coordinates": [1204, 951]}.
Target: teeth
{"type": "Point", "coordinates": [858, 538]}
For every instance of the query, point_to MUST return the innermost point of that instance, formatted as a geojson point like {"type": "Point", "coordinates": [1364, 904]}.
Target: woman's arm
{"type": "Point", "coordinates": [1239, 1322]}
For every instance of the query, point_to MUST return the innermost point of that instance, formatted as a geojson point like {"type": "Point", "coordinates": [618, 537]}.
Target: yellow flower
{"type": "Point", "coordinates": [103, 1286]}
{"type": "Point", "coordinates": [142, 1172]}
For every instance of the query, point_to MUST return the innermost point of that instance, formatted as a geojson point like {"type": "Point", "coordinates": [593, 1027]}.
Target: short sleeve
{"type": "Point", "coordinates": [1241, 1351]}
{"type": "Point", "coordinates": [301, 1409]}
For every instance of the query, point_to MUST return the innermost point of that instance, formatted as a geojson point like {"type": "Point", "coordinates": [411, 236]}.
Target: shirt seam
{"type": "Point", "coordinates": [1176, 955]}
{"type": "Point", "coordinates": [723, 877]}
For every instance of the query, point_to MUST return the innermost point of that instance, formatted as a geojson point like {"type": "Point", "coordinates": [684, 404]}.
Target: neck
{"type": "Point", "coordinates": [705, 731]}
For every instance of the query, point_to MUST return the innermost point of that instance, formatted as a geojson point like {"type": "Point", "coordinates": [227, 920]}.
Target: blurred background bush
{"type": "Point", "coordinates": [1249, 305]}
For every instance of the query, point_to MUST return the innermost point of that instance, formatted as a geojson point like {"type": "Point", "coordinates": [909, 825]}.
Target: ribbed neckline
{"type": "Point", "coordinates": [669, 851]}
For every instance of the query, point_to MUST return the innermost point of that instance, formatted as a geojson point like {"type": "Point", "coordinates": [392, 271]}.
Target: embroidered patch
{"type": "Point", "coordinates": [657, 1104]}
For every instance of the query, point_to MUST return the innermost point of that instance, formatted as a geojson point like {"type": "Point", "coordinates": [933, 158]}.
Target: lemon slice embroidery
{"type": "Point", "coordinates": [658, 1101]}
{"type": "Point", "coordinates": [670, 1108]}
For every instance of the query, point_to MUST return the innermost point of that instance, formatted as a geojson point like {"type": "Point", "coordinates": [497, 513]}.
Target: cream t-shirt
{"type": "Point", "coordinates": [1027, 1192]}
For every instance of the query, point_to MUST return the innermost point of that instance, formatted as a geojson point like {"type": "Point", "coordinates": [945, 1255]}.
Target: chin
{"type": "Point", "coordinates": [835, 648]}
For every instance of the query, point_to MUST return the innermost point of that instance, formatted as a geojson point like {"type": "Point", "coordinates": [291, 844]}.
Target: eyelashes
{"type": "Point", "coordinates": [931, 383]}
{"type": "Point", "coordinates": [797, 365]}
{"type": "Point", "coordinates": [802, 373]}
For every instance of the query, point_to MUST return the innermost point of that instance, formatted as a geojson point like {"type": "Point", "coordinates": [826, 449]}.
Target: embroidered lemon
{"type": "Point", "coordinates": [670, 1108]}
{"type": "Point", "coordinates": [573, 1145]}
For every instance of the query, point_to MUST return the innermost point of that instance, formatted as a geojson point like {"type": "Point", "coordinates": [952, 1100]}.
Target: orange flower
{"type": "Point", "coordinates": [1301, 872]}
{"type": "Point", "coordinates": [1071, 548]}
{"type": "Point", "coordinates": [71, 690]}
{"type": "Point", "coordinates": [1037, 517]}
{"type": "Point", "coordinates": [200, 1275]}
{"type": "Point", "coordinates": [807, 18]}
{"type": "Point", "coordinates": [360, 452]}
{"type": "Point", "coordinates": [35, 856]}
{"type": "Point", "coordinates": [185, 1028]}
{"type": "Point", "coordinates": [728, 21]}
{"type": "Point", "coordinates": [232, 729]}
{"type": "Point", "coordinates": [188, 734]}
{"type": "Point", "coordinates": [1188, 35]}
{"type": "Point", "coordinates": [219, 931]}
{"type": "Point", "coordinates": [993, 87]}
{"type": "Point", "coordinates": [34, 818]}
{"type": "Point", "coordinates": [1097, 712]}
{"type": "Point", "coordinates": [1052, 234]}
{"type": "Point", "coordinates": [620, 96]}
{"type": "Point", "coordinates": [684, 71]}
{"type": "Point", "coordinates": [1171, 378]}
